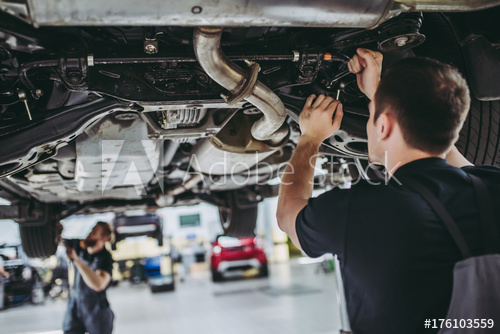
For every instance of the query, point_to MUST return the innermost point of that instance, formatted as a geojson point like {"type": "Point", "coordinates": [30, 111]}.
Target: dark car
{"type": "Point", "coordinates": [134, 224]}
{"type": "Point", "coordinates": [123, 104]}
{"type": "Point", "coordinates": [24, 282]}
{"type": "Point", "coordinates": [236, 255]}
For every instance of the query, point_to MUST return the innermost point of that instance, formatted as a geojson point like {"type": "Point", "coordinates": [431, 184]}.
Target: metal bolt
{"type": "Point", "coordinates": [24, 99]}
{"type": "Point", "coordinates": [225, 97]}
{"type": "Point", "coordinates": [401, 41]}
{"type": "Point", "coordinates": [341, 88]}
{"type": "Point", "coordinates": [150, 49]}
{"type": "Point", "coordinates": [74, 78]}
{"type": "Point", "coordinates": [39, 92]}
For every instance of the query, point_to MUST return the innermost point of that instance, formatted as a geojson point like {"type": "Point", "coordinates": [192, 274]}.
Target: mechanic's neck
{"type": "Point", "coordinates": [401, 155]}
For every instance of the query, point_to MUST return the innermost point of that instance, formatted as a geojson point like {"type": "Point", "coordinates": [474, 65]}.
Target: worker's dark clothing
{"type": "Point", "coordinates": [88, 310]}
{"type": "Point", "coordinates": [2, 285]}
{"type": "Point", "coordinates": [396, 256]}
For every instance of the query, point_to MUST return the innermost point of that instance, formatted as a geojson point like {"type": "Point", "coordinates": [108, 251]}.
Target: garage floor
{"type": "Point", "coordinates": [296, 298]}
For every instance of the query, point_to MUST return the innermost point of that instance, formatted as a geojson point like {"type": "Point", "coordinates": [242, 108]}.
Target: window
{"type": "Point", "coordinates": [190, 220]}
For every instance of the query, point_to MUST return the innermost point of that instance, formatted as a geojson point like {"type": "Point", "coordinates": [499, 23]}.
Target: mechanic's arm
{"type": "Point", "coordinates": [4, 272]}
{"type": "Point", "coordinates": [319, 119]}
{"type": "Point", "coordinates": [456, 159]}
{"type": "Point", "coordinates": [96, 280]}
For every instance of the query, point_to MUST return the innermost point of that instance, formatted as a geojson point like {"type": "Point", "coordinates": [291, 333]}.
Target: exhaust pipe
{"type": "Point", "coordinates": [240, 84]}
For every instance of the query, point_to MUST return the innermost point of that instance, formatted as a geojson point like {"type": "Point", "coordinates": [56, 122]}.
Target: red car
{"type": "Point", "coordinates": [237, 254]}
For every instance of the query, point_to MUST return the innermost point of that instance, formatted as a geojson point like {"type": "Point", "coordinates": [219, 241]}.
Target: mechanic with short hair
{"type": "Point", "coordinates": [3, 275]}
{"type": "Point", "coordinates": [88, 307]}
{"type": "Point", "coordinates": [396, 255]}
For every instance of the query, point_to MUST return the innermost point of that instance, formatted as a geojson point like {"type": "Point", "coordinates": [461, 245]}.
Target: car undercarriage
{"type": "Point", "coordinates": [107, 110]}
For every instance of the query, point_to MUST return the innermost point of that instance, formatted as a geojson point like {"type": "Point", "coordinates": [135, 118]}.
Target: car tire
{"type": "Point", "coordinates": [479, 139]}
{"type": "Point", "coordinates": [163, 288]}
{"type": "Point", "coordinates": [217, 276]}
{"type": "Point", "coordinates": [159, 237]}
{"type": "Point", "coordinates": [264, 271]}
{"type": "Point", "coordinates": [40, 238]}
{"type": "Point", "coordinates": [237, 220]}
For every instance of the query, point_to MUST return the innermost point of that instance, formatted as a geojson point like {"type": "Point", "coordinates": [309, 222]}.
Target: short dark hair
{"type": "Point", "coordinates": [429, 100]}
{"type": "Point", "coordinates": [106, 229]}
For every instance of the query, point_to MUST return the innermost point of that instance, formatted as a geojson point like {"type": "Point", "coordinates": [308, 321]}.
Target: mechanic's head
{"type": "Point", "coordinates": [427, 99]}
{"type": "Point", "coordinates": [100, 234]}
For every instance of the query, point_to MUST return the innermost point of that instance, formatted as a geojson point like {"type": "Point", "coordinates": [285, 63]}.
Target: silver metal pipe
{"type": "Point", "coordinates": [188, 185]}
{"type": "Point", "coordinates": [233, 78]}
{"type": "Point", "coordinates": [344, 319]}
{"type": "Point", "coordinates": [169, 150]}
{"type": "Point", "coordinates": [168, 198]}
{"type": "Point", "coordinates": [447, 5]}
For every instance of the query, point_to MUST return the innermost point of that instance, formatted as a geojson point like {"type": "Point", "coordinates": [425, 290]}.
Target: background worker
{"type": "Point", "coordinates": [88, 307]}
{"type": "Point", "coordinates": [396, 256]}
{"type": "Point", "coordinates": [3, 275]}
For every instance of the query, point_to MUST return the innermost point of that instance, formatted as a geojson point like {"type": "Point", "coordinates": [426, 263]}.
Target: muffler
{"type": "Point", "coordinates": [241, 85]}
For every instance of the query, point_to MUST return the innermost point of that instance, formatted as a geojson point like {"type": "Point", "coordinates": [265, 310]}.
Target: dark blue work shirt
{"type": "Point", "coordinates": [101, 260]}
{"type": "Point", "coordinates": [396, 256]}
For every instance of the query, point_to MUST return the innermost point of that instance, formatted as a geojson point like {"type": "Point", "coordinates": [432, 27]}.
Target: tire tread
{"type": "Point", "coordinates": [479, 139]}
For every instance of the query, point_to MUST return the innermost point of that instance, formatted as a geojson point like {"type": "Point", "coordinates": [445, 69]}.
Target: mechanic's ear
{"type": "Point", "coordinates": [111, 238]}
{"type": "Point", "coordinates": [384, 126]}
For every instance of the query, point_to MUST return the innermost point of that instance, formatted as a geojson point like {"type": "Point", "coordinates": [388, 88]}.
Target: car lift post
{"type": "Point", "coordinates": [344, 320]}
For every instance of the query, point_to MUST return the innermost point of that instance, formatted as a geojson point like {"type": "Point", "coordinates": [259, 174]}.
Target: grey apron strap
{"type": "Point", "coordinates": [442, 213]}
{"type": "Point", "coordinates": [485, 207]}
